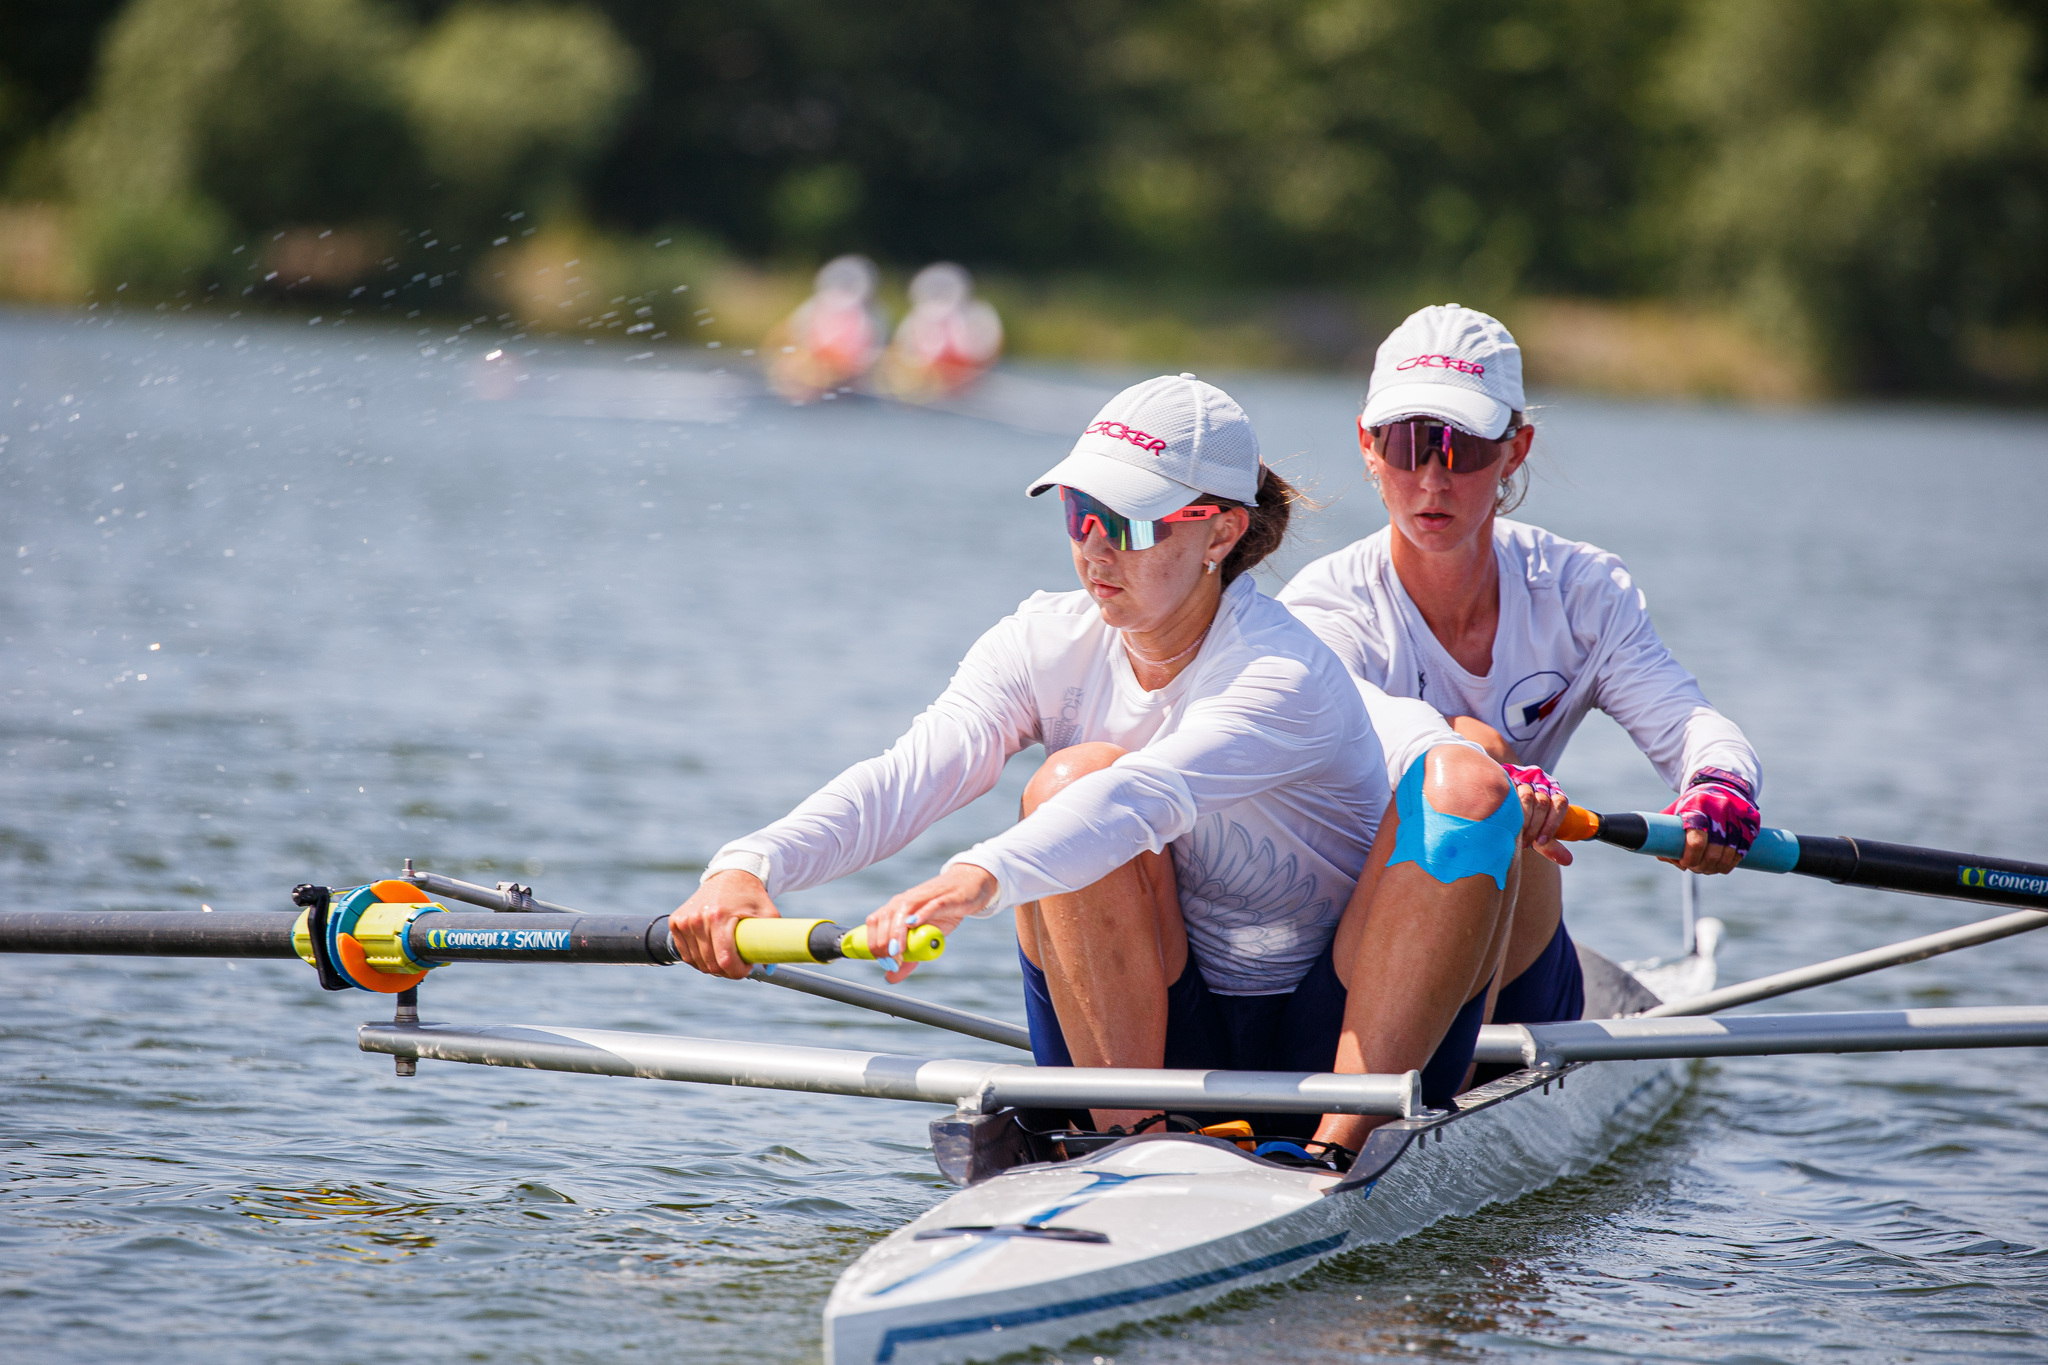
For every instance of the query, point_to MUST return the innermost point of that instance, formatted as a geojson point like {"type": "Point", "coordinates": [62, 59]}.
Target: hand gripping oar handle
{"type": "Point", "coordinates": [820, 940]}
{"type": "Point", "coordinates": [759, 940]}
{"type": "Point", "coordinates": [407, 938]}
{"type": "Point", "coordinates": [1851, 862]}
{"type": "Point", "coordinates": [438, 936]}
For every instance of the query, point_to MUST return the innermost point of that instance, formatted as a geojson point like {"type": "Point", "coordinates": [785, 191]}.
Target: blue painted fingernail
{"type": "Point", "coordinates": [916, 920]}
{"type": "Point", "coordinates": [890, 963]}
{"type": "Point", "coordinates": [895, 947]}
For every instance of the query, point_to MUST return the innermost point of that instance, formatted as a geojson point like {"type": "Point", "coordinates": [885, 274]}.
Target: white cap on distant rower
{"type": "Point", "coordinates": [1451, 362]}
{"type": "Point", "coordinates": [1158, 446]}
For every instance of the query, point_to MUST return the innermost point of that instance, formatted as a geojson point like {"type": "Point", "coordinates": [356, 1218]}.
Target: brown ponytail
{"type": "Point", "coordinates": [1268, 528]}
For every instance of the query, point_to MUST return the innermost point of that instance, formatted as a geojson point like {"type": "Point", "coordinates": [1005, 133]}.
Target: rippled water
{"type": "Point", "coordinates": [515, 637]}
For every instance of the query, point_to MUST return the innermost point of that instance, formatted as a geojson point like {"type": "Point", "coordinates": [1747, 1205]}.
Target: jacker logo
{"type": "Point", "coordinates": [1442, 362]}
{"type": "Point", "coordinates": [1991, 879]}
{"type": "Point", "coordinates": [1143, 440]}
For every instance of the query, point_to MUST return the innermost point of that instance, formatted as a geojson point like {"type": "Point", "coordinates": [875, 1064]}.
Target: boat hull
{"type": "Point", "coordinates": [1167, 1223]}
{"type": "Point", "coordinates": [1189, 1220]}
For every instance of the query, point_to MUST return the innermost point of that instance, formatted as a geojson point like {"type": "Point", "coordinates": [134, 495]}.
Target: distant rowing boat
{"type": "Point", "coordinates": [1158, 1224]}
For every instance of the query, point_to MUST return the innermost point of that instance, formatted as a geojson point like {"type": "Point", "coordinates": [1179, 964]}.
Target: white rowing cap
{"type": "Point", "coordinates": [1160, 445]}
{"type": "Point", "coordinates": [1449, 362]}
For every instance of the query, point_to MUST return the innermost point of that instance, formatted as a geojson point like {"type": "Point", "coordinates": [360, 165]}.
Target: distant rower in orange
{"type": "Point", "coordinates": [833, 338]}
{"type": "Point", "coordinates": [948, 341]}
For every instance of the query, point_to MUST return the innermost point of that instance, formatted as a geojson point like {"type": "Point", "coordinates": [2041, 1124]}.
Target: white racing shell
{"type": "Point", "coordinates": [1157, 1225]}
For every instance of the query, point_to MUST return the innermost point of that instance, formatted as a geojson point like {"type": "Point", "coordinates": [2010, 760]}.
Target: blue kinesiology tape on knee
{"type": "Point", "coordinates": [1449, 847]}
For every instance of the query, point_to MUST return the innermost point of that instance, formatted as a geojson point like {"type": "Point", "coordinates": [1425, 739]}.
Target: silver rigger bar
{"type": "Point", "coordinates": [976, 1086]}
{"type": "Point", "coordinates": [1761, 1035]}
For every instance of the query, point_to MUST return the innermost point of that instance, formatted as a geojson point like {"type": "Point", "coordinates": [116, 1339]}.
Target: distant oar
{"type": "Point", "coordinates": [1851, 862]}
{"type": "Point", "coordinates": [1761, 1035]}
{"type": "Point", "coordinates": [1855, 964]}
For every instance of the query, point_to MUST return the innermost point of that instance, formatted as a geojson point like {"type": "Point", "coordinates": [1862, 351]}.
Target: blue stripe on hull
{"type": "Point", "coordinates": [988, 1322]}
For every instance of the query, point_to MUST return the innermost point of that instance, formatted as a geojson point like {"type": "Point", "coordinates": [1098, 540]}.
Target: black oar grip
{"type": "Point", "coordinates": [1627, 830]}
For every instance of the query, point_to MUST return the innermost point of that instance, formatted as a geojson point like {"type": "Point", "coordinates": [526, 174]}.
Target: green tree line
{"type": "Point", "coordinates": [1865, 180]}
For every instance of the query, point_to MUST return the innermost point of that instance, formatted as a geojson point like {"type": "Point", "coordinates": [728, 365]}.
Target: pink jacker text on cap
{"type": "Point", "coordinates": [1450, 362]}
{"type": "Point", "coordinates": [1160, 445]}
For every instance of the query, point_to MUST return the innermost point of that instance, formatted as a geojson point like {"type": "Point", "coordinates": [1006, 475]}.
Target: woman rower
{"type": "Point", "coordinates": [1511, 632]}
{"type": "Point", "coordinates": [1209, 798]}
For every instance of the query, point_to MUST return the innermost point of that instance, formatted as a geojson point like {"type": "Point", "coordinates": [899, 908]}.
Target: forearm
{"type": "Point", "coordinates": [877, 806]}
{"type": "Point", "coordinates": [831, 833]}
{"type": "Point", "coordinates": [1714, 741]}
{"type": "Point", "coordinates": [1087, 831]}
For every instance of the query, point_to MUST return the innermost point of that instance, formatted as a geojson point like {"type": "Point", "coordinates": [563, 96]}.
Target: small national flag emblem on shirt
{"type": "Point", "coordinates": [1530, 702]}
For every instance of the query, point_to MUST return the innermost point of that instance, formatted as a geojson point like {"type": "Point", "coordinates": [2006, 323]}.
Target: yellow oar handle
{"type": "Point", "coordinates": [820, 940]}
{"type": "Point", "coordinates": [921, 944]}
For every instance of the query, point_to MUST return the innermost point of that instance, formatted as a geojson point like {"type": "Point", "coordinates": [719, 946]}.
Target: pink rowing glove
{"type": "Point", "coordinates": [1543, 782]}
{"type": "Point", "coordinates": [1723, 805]}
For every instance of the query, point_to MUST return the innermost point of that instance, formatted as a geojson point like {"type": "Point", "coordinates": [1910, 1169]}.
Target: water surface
{"type": "Point", "coordinates": [579, 621]}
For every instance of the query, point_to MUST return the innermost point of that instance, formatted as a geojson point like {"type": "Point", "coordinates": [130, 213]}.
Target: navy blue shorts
{"type": "Point", "coordinates": [1297, 1031]}
{"type": "Point", "coordinates": [1553, 989]}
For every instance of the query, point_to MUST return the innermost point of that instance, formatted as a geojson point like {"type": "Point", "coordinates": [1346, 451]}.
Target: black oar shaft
{"type": "Point", "coordinates": [540, 937]}
{"type": "Point", "coordinates": [152, 933]}
{"type": "Point", "coordinates": [1923, 871]}
{"type": "Point", "coordinates": [1851, 862]}
{"type": "Point", "coordinates": [449, 937]}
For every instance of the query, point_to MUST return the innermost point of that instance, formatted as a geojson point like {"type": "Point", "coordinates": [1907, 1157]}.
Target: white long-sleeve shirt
{"type": "Point", "coordinates": [1258, 767]}
{"type": "Point", "coordinates": [1574, 634]}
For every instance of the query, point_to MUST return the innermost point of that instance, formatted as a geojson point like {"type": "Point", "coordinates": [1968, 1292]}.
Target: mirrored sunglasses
{"type": "Point", "coordinates": [1413, 443]}
{"type": "Point", "coordinates": [1124, 533]}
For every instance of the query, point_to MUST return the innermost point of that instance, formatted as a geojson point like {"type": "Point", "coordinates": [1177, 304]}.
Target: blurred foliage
{"type": "Point", "coordinates": [509, 101]}
{"type": "Point", "coordinates": [1863, 182]}
{"type": "Point", "coordinates": [158, 247]}
{"type": "Point", "coordinates": [276, 111]}
{"type": "Point", "coordinates": [212, 120]}
{"type": "Point", "coordinates": [1482, 147]}
{"type": "Point", "coordinates": [916, 130]}
{"type": "Point", "coordinates": [46, 64]}
{"type": "Point", "coordinates": [1871, 178]}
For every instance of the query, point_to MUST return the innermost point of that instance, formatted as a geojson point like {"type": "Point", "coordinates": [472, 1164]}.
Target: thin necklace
{"type": "Point", "coordinates": [1162, 663]}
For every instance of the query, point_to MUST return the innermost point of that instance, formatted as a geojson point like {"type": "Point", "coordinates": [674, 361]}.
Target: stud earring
{"type": "Point", "coordinates": [1211, 568]}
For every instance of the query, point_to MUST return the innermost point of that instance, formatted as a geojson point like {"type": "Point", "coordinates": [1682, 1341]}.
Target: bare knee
{"type": "Point", "coordinates": [1463, 782]}
{"type": "Point", "coordinates": [1486, 737]}
{"type": "Point", "coordinates": [1063, 769]}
